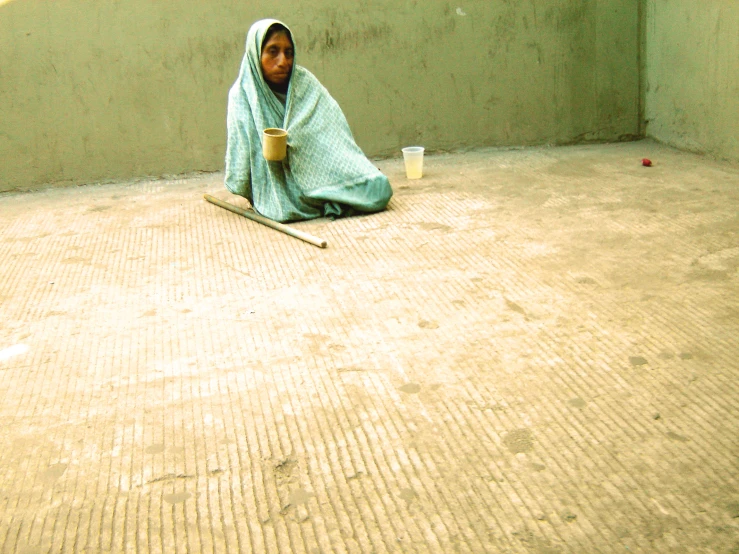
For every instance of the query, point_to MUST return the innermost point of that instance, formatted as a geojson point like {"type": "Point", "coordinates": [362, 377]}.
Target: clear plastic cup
{"type": "Point", "coordinates": [413, 156]}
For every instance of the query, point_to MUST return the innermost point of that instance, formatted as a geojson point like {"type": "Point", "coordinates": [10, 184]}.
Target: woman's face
{"type": "Point", "coordinates": [277, 59]}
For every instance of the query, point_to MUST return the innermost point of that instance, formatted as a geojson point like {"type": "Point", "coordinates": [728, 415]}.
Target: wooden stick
{"type": "Point", "coordinates": [320, 243]}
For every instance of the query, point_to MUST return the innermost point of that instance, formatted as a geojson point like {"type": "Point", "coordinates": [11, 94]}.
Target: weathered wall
{"type": "Point", "coordinates": [692, 98]}
{"type": "Point", "coordinates": [95, 90]}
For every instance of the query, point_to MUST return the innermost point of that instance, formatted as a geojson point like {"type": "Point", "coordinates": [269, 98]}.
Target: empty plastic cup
{"type": "Point", "coordinates": [413, 156]}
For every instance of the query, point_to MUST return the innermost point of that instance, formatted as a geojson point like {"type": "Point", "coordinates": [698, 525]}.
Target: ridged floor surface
{"type": "Point", "coordinates": [532, 350]}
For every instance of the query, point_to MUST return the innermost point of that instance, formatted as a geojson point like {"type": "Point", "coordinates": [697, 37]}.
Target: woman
{"type": "Point", "coordinates": [325, 173]}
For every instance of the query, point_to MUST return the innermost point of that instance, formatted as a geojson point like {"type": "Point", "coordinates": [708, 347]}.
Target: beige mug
{"type": "Point", "coordinates": [274, 145]}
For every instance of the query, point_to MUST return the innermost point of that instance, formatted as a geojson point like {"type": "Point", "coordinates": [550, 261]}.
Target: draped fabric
{"type": "Point", "coordinates": [325, 172]}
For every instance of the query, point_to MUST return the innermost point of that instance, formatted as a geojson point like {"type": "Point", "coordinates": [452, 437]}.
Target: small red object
{"type": "Point", "coordinates": [646, 162]}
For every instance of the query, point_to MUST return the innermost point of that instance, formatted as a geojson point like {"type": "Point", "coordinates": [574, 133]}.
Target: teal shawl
{"type": "Point", "coordinates": [325, 173]}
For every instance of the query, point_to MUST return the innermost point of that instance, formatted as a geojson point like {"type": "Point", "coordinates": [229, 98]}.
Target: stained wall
{"type": "Point", "coordinates": [692, 69]}
{"type": "Point", "coordinates": [99, 90]}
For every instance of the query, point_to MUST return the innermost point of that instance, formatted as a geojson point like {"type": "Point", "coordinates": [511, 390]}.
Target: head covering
{"type": "Point", "coordinates": [251, 77]}
{"type": "Point", "coordinates": [325, 172]}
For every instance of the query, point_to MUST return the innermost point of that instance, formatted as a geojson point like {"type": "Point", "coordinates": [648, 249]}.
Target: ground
{"type": "Point", "coordinates": [531, 350]}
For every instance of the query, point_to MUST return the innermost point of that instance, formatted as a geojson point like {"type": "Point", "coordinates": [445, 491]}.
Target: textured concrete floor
{"type": "Point", "coordinates": [531, 351]}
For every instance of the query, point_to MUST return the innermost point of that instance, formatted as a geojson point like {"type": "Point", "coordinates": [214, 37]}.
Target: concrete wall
{"type": "Point", "coordinates": [692, 98]}
{"type": "Point", "coordinates": [96, 90]}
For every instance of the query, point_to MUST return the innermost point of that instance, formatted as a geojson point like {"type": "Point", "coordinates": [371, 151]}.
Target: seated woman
{"type": "Point", "coordinates": [325, 173]}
